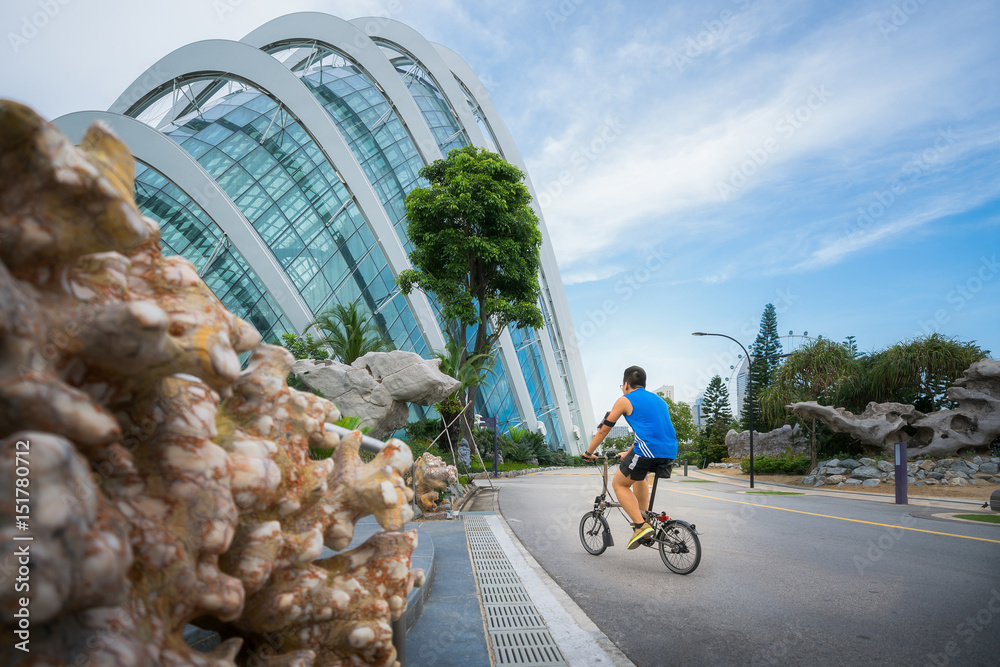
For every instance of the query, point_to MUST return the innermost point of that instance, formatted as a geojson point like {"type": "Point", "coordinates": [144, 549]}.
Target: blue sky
{"type": "Point", "coordinates": [694, 161]}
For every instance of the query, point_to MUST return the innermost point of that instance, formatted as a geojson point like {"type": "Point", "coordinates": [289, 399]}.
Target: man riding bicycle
{"type": "Point", "coordinates": [655, 444]}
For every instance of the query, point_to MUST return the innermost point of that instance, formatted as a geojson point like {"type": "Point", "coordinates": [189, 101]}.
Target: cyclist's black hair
{"type": "Point", "coordinates": [635, 376]}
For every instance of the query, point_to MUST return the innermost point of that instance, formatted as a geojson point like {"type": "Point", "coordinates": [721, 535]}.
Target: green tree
{"type": "Point", "coordinates": [682, 419]}
{"type": "Point", "coordinates": [476, 249]}
{"type": "Point", "coordinates": [917, 371]}
{"type": "Point", "coordinates": [350, 332]}
{"type": "Point", "coordinates": [711, 442]}
{"type": "Point", "coordinates": [304, 347]}
{"type": "Point", "coordinates": [764, 355]}
{"type": "Point", "coordinates": [812, 373]}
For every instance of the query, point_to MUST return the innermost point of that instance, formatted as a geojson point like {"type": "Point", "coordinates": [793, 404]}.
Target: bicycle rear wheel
{"type": "Point", "coordinates": [680, 547]}
{"type": "Point", "coordinates": [593, 528]}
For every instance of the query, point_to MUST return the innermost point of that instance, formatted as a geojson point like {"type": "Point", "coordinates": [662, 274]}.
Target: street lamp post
{"type": "Point", "coordinates": [749, 390]}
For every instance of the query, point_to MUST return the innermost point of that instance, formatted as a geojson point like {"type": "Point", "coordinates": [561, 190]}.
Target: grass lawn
{"type": "Point", "coordinates": [985, 518]}
{"type": "Point", "coordinates": [777, 493]}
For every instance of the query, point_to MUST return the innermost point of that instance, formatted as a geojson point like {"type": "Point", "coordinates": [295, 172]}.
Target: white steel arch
{"type": "Point", "coordinates": [181, 169]}
{"type": "Point", "coordinates": [236, 60]}
{"type": "Point", "coordinates": [345, 37]}
{"type": "Point", "coordinates": [411, 41]}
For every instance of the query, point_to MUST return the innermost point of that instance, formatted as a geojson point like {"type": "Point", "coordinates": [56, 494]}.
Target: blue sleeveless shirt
{"type": "Point", "coordinates": [655, 436]}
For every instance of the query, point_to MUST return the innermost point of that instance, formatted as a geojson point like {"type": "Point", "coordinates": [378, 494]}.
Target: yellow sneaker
{"type": "Point", "coordinates": [642, 531]}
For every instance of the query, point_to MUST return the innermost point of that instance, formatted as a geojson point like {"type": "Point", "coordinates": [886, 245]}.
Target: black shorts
{"type": "Point", "coordinates": [637, 467]}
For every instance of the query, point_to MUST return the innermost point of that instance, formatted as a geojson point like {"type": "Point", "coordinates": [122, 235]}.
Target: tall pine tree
{"type": "Point", "coordinates": [711, 443]}
{"type": "Point", "coordinates": [764, 352]}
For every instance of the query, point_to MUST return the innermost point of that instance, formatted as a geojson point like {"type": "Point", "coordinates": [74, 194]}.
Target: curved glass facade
{"type": "Point", "coordinates": [434, 108]}
{"type": "Point", "coordinates": [186, 230]}
{"type": "Point", "coordinates": [320, 228]}
{"type": "Point", "coordinates": [282, 182]}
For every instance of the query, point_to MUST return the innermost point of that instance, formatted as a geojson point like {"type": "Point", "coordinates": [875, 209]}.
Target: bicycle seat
{"type": "Point", "coordinates": [663, 470]}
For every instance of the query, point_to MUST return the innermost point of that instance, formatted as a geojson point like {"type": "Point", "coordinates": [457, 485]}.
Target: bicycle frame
{"type": "Point", "coordinates": [602, 505]}
{"type": "Point", "coordinates": [677, 541]}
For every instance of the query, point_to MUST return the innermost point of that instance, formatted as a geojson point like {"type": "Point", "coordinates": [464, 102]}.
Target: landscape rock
{"type": "Point", "coordinates": [832, 471]}
{"type": "Point", "coordinates": [465, 454]}
{"type": "Point", "coordinates": [964, 466]}
{"type": "Point", "coordinates": [974, 423]}
{"type": "Point", "coordinates": [866, 472]}
{"type": "Point", "coordinates": [959, 481]}
{"type": "Point", "coordinates": [871, 482]}
{"type": "Point", "coordinates": [850, 463]}
{"type": "Point", "coordinates": [885, 466]}
{"type": "Point", "coordinates": [989, 468]}
{"type": "Point", "coordinates": [835, 479]}
{"type": "Point", "coordinates": [772, 443]}
{"type": "Point", "coordinates": [867, 462]}
{"type": "Point", "coordinates": [853, 482]}
{"type": "Point", "coordinates": [378, 387]}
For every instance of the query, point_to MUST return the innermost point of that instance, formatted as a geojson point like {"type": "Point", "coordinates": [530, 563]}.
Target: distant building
{"type": "Point", "coordinates": [699, 402]}
{"type": "Point", "coordinates": [620, 431]}
{"type": "Point", "coordinates": [667, 390]}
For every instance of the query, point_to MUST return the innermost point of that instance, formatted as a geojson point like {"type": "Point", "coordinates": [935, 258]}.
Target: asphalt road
{"type": "Point", "coordinates": [784, 580]}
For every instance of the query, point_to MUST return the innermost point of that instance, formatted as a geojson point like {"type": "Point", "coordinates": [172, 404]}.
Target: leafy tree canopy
{"type": "Point", "coordinates": [476, 249]}
{"type": "Point", "coordinates": [682, 419]}
{"type": "Point", "coordinates": [476, 244]}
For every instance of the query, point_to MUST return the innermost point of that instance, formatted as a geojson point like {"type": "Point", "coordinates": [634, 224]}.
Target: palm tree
{"type": "Point", "coordinates": [351, 333]}
{"type": "Point", "coordinates": [917, 371]}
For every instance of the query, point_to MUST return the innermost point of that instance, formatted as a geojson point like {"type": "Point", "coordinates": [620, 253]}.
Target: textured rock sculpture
{"type": "Point", "coordinates": [152, 504]}
{"type": "Point", "coordinates": [379, 386]}
{"type": "Point", "coordinates": [432, 475]}
{"type": "Point", "coordinates": [772, 443]}
{"type": "Point", "coordinates": [974, 423]}
{"type": "Point", "coordinates": [880, 423]}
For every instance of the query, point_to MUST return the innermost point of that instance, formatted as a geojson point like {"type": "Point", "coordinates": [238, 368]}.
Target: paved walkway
{"type": "Point", "coordinates": [452, 630]}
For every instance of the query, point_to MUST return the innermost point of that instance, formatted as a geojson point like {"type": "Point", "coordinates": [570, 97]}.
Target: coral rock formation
{"type": "Point", "coordinates": [431, 475]}
{"type": "Point", "coordinates": [167, 485]}
{"type": "Point", "coordinates": [379, 386]}
{"type": "Point", "coordinates": [974, 423]}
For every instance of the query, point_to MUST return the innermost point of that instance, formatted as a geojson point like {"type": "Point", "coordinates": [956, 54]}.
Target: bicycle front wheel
{"type": "Point", "coordinates": [680, 547]}
{"type": "Point", "coordinates": [593, 528]}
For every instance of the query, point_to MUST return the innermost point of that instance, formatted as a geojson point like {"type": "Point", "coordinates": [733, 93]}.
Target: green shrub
{"type": "Point", "coordinates": [777, 465]}
{"type": "Point", "coordinates": [423, 429]}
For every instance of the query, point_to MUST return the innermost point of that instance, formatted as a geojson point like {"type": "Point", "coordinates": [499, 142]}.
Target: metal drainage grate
{"type": "Point", "coordinates": [517, 631]}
